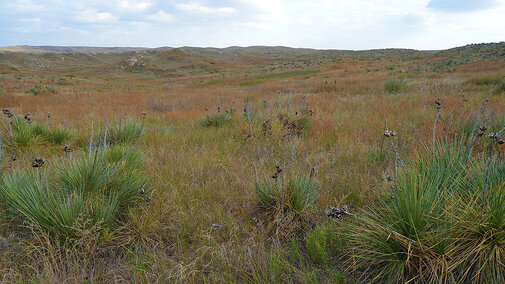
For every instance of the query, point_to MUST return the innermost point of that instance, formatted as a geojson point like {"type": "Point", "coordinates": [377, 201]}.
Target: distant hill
{"type": "Point", "coordinates": [212, 51]}
{"type": "Point", "coordinates": [68, 49]}
{"type": "Point", "coordinates": [481, 51]}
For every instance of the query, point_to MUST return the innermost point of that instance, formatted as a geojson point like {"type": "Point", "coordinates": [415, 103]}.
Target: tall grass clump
{"type": "Point", "coordinates": [297, 195]}
{"type": "Point", "coordinates": [96, 188]}
{"type": "Point", "coordinates": [216, 120]}
{"type": "Point", "coordinates": [395, 85]}
{"type": "Point", "coordinates": [24, 133]}
{"type": "Point", "coordinates": [20, 135]}
{"type": "Point", "coordinates": [434, 221]}
{"type": "Point", "coordinates": [59, 135]}
{"type": "Point", "coordinates": [124, 132]}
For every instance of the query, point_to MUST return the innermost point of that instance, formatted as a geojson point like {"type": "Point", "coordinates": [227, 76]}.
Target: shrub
{"type": "Point", "coordinates": [500, 87]}
{"type": "Point", "coordinates": [395, 85]}
{"type": "Point", "coordinates": [320, 243]}
{"type": "Point", "coordinates": [35, 90]}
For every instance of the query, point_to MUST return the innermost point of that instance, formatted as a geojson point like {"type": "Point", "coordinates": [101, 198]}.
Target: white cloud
{"type": "Point", "coordinates": [196, 7]}
{"type": "Point", "coordinates": [351, 24]}
{"type": "Point", "coordinates": [135, 5]}
{"type": "Point", "coordinates": [161, 16]}
{"type": "Point", "coordinates": [92, 15]}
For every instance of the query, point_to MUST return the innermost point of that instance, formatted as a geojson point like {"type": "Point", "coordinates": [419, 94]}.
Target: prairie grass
{"type": "Point", "coordinates": [216, 120]}
{"type": "Point", "coordinates": [395, 85]}
{"type": "Point", "coordinates": [432, 223]}
{"type": "Point", "coordinates": [210, 210]}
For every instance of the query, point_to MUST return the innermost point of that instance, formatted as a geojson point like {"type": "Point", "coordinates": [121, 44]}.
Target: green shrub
{"type": "Point", "coordinates": [395, 85]}
{"type": "Point", "coordinates": [35, 90]}
{"type": "Point", "coordinates": [216, 120]}
{"type": "Point", "coordinates": [320, 244]}
{"type": "Point", "coordinates": [500, 87]}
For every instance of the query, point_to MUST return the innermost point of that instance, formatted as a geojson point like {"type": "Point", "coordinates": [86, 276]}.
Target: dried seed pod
{"type": "Point", "coordinates": [494, 135]}
{"type": "Point", "coordinates": [66, 149]}
{"type": "Point", "coordinates": [38, 162]}
{"type": "Point", "coordinates": [483, 128]}
{"type": "Point", "coordinates": [389, 133]}
{"type": "Point", "coordinates": [7, 112]}
{"type": "Point", "coordinates": [278, 169]}
{"type": "Point", "coordinates": [438, 102]}
{"type": "Point", "coordinates": [501, 142]}
{"type": "Point", "coordinates": [337, 212]}
{"type": "Point", "coordinates": [142, 190]}
{"type": "Point", "coordinates": [389, 178]}
{"type": "Point", "coordinates": [480, 134]}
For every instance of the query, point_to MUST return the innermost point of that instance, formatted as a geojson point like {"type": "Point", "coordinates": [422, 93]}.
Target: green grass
{"type": "Point", "coordinates": [124, 132]}
{"type": "Point", "coordinates": [258, 80]}
{"type": "Point", "coordinates": [298, 194]}
{"type": "Point", "coordinates": [216, 120]}
{"type": "Point", "coordinates": [395, 85]}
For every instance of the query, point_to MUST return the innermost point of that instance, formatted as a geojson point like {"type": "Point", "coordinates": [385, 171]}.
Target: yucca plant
{"type": "Point", "coordinates": [299, 193]}
{"type": "Point", "coordinates": [29, 197]}
{"type": "Point", "coordinates": [59, 135]}
{"type": "Point", "coordinates": [124, 131]}
{"type": "Point", "coordinates": [216, 120]}
{"type": "Point", "coordinates": [395, 85]}
{"type": "Point", "coordinates": [94, 186]}
{"type": "Point", "coordinates": [406, 236]}
{"type": "Point", "coordinates": [21, 135]}
{"type": "Point", "coordinates": [480, 229]}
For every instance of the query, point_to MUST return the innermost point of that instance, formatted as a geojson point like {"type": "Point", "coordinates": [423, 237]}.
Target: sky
{"type": "Point", "coordinates": [322, 24]}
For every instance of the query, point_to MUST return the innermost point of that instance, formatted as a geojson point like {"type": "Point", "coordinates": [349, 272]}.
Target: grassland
{"type": "Point", "coordinates": [206, 165]}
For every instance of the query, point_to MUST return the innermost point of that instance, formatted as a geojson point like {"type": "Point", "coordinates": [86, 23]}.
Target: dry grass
{"type": "Point", "coordinates": [202, 223]}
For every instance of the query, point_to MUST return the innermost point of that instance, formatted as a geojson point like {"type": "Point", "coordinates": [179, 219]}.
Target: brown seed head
{"type": "Point", "coordinates": [38, 162]}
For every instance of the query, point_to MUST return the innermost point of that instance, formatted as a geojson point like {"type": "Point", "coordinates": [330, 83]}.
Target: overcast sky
{"type": "Point", "coordinates": [337, 24]}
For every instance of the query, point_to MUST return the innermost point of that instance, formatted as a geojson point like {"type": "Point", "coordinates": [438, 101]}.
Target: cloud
{"type": "Point", "coordinates": [356, 24]}
{"type": "Point", "coordinates": [461, 5]}
{"type": "Point", "coordinates": [196, 7]}
{"type": "Point", "coordinates": [135, 5]}
{"type": "Point", "coordinates": [161, 17]}
{"type": "Point", "coordinates": [92, 15]}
